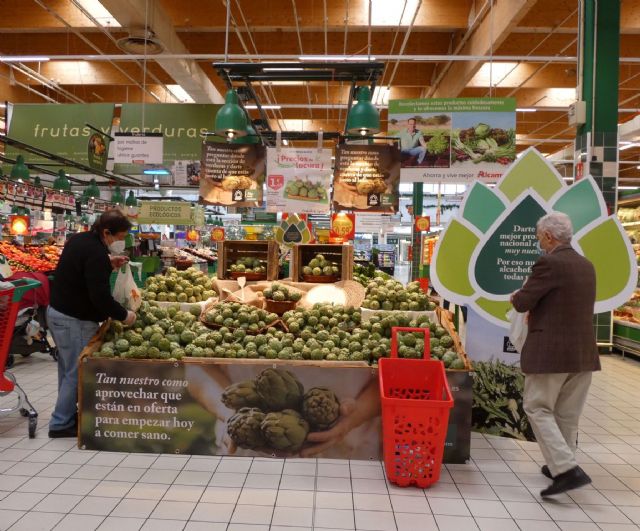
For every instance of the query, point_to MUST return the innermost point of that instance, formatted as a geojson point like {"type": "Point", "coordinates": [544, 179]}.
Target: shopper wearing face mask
{"type": "Point", "coordinates": [80, 299]}
{"type": "Point", "coordinates": [560, 352]}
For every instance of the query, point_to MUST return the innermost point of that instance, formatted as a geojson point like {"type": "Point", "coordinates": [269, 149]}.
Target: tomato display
{"type": "Point", "coordinates": [31, 258]}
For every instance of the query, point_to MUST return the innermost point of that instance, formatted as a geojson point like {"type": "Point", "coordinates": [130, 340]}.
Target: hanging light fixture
{"type": "Point", "coordinates": [92, 191]}
{"type": "Point", "coordinates": [117, 196]}
{"type": "Point", "coordinates": [131, 200]}
{"type": "Point", "coordinates": [250, 137]}
{"type": "Point", "coordinates": [37, 181]}
{"type": "Point", "coordinates": [61, 182]}
{"type": "Point", "coordinates": [363, 117]}
{"type": "Point", "coordinates": [231, 120]}
{"type": "Point", "coordinates": [20, 172]}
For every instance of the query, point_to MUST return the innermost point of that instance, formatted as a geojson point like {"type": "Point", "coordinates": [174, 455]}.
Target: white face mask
{"type": "Point", "coordinates": [117, 247]}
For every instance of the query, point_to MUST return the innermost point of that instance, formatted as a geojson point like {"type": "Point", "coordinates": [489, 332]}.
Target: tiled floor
{"type": "Point", "coordinates": [50, 484]}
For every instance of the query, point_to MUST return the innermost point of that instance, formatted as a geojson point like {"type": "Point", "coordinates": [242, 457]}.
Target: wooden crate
{"type": "Point", "coordinates": [229, 251]}
{"type": "Point", "coordinates": [342, 254]}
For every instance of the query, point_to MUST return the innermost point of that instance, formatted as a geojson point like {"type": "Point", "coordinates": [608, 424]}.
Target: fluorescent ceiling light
{"type": "Point", "coordinates": [99, 12]}
{"type": "Point", "coordinates": [283, 69]}
{"type": "Point", "coordinates": [181, 94]}
{"type": "Point", "coordinates": [283, 83]}
{"type": "Point", "coordinates": [156, 171]}
{"type": "Point", "coordinates": [267, 107]}
{"type": "Point", "coordinates": [329, 58]}
{"type": "Point", "coordinates": [628, 187]}
{"type": "Point", "coordinates": [381, 95]}
{"type": "Point", "coordinates": [628, 146]}
{"type": "Point", "coordinates": [387, 13]}
{"type": "Point", "coordinates": [24, 59]}
{"type": "Point", "coordinates": [526, 109]}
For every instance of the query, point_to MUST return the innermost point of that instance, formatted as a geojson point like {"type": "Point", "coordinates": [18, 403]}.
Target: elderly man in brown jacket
{"type": "Point", "coordinates": [560, 352]}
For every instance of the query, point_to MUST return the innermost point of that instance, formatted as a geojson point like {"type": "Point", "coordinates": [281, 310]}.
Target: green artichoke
{"type": "Point", "coordinates": [240, 395]}
{"type": "Point", "coordinates": [279, 389]}
{"type": "Point", "coordinates": [285, 430]}
{"type": "Point", "coordinates": [244, 428]}
{"type": "Point", "coordinates": [321, 407]}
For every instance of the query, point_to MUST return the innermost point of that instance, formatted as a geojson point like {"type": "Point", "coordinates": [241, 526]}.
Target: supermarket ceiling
{"type": "Point", "coordinates": [533, 42]}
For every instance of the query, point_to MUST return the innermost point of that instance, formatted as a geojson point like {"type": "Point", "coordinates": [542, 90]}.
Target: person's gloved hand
{"type": "Point", "coordinates": [131, 318]}
{"type": "Point", "coordinates": [118, 261]}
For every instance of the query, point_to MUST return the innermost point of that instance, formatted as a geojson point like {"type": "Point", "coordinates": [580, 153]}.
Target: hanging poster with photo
{"type": "Point", "coordinates": [366, 178]}
{"type": "Point", "coordinates": [454, 140]}
{"type": "Point", "coordinates": [232, 174]}
{"type": "Point", "coordinates": [298, 180]}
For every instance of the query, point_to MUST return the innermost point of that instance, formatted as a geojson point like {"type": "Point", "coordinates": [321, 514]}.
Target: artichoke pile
{"type": "Point", "coordinates": [273, 411]}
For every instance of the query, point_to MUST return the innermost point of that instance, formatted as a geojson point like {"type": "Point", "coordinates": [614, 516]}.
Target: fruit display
{"type": "Point", "coordinates": [281, 415]}
{"type": "Point", "coordinates": [248, 265]}
{"type": "Point", "coordinates": [365, 273]}
{"type": "Point", "coordinates": [305, 190]}
{"type": "Point", "coordinates": [324, 332]}
{"type": "Point", "coordinates": [204, 254]}
{"type": "Point", "coordinates": [392, 295]}
{"type": "Point", "coordinates": [191, 285]}
{"type": "Point", "coordinates": [320, 266]}
{"type": "Point", "coordinates": [280, 293]}
{"type": "Point", "coordinates": [32, 258]}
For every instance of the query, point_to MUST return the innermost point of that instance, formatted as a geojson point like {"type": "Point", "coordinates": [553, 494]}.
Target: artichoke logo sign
{"type": "Point", "coordinates": [487, 251]}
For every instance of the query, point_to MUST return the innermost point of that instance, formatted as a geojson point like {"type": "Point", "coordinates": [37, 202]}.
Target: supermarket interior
{"type": "Point", "coordinates": [301, 265]}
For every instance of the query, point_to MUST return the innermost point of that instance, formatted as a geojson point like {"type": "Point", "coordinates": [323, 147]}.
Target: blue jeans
{"type": "Point", "coordinates": [418, 150]}
{"type": "Point", "coordinates": [71, 335]}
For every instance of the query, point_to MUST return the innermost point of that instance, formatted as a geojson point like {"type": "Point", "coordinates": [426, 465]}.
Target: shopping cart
{"type": "Point", "coordinates": [416, 400]}
{"type": "Point", "coordinates": [9, 303]}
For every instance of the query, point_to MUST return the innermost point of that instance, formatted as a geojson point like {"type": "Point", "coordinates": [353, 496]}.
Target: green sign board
{"type": "Point", "coordinates": [165, 212]}
{"type": "Point", "coordinates": [183, 127]}
{"type": "Point", "coordinates": [62, 130]}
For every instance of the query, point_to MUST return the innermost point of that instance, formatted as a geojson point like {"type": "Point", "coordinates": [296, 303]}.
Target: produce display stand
{"type": "Point", "coordinates": [231, 250]}
{"type": "Point", "coordinates": [9, 302]}
{"type": "Point", "coordinates": [341, 254]}
{"type": "Point", "coordinates": [165, 406]}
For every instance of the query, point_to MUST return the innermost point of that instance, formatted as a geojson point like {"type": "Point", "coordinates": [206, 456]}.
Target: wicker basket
{"type": "Point", "coordinates": [279, 307]}
{"type": "Point", "coordinates": [320, 279]}
{"type": "Point", "coordinates": [235, 275]}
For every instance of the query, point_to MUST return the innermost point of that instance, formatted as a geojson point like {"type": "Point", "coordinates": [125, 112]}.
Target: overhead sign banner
{"type": "Point", "coordinates": [61, 130]}
{"type": "Point", "coordinates": [138, 148]}
{"type": "Point", "coordinates": [487, 250]}
{"type": "Point", "coordinates": [165, 212]}
{"type": "Point", "coordinates": [298, 180]}
{"type": "Point", "coordinates": [232, 174]}
{"type": "Point", "coordinates": [183, 127]}
{"type": "Point", "coordinates": [366, 178]}
{"type": "Point", "coordinates": [454, 140]}
{"type": "Point", "coordinates": [98, 151]}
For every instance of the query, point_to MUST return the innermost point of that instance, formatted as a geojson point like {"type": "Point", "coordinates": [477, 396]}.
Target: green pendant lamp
{"type": "Point", "coordinates": [251, 137]}
{"type": "Point", "coordinates": [231, 120]}
{"type": "Point", "coordinates": [363, 117]}
{"type": "Point", "coordinates": [61, 182]}
{"type": "Point", "coordinates": [37, 181]}
{"type": "Point", "coordinates": [20, 172]}
{"type": "Point", "coordinates": [92, 191]}
{"type": "Point", "coordinates": [131, 200]}
{"type": "Point", "coordinates": [117, 196]}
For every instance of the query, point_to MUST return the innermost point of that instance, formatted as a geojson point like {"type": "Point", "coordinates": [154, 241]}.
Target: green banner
{"type": "Point", "coordinates": [183, 127]}
{"type": "Point", "coordinates": [62, 130]}
{"type": "Point", "coordinates": [165, 212]}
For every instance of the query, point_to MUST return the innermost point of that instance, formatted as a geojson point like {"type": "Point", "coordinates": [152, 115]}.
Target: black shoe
{"type": "Point", "coordinates": [569, 480]}
{"type": "Point", "coordinates": [546, 472]}
{"type": "Point", "coordinates": [71, 431]}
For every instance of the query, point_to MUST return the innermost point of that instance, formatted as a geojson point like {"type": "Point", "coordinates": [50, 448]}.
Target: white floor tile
{"type": "Point", "coordinates": [112, 489]}
{"type": "Point", "coordinates": [74, 522]}
{"type": "Point", "coordinates": [95, 505]}
{"type": "Point", "coordinates": [221, 495]}
{"type": "Point", "coordinates": [526, 511]}
{"type": "Point", "coordinates": [213, 512]}
{"type": "Point", "coordinates": [247, 514]}
{"type": "Point", "coordinates": [187, 493]}
{"type": "Point", "coordinates": [163, 525]}
{"type": "Point", "coordinates": [455, 523]}
{"type": "Point", "coordinates": [173, 510]}
{"type": "Point", "coordinates": [21, 501]}
{"type": "Point", "coordinates": [375, 520]}
{"type": "Point", "coordinates": [334, 518]}
{"type": "Point", "coordinates": [496, 524]}
{"type": "Point", "coordinates": [448, 506]}
{"type": "Point", "coordinates": [117, 523]}
{"type": "Point", "coordinates": [34, 521]}
{"type": "Point", "coordinates": [410, 504]}
{"type": "Point", "coordinates": [129, 508]}
{"type": "Point", "coordinates": [258, 497]}
{"type": "Point", "coordinates": [292, 516]}
{"type": "Point", "coordinates": [412, 522]}
{"type": "Point", "coordinates": [605, 514]}
{"type": "Point", "coordinates": [292, 498]}
{"type": "Point", "coordinates": [147, 491]}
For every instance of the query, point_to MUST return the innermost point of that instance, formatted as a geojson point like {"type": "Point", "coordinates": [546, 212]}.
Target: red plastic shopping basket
{"type": "Point", "coordinates": [416, 400]}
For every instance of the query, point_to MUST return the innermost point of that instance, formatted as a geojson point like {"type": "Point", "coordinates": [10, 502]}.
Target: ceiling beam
{"type": "Point", "coordinates": [487, 37]}
{"type": "Point", "coordinates": [187, 73]}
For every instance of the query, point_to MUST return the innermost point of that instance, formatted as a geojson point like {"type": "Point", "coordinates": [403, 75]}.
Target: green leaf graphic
{"type": "Point", "coordinates": [507, 256]}
{"type": "Point", "coordinates": [482, 207]}
{"type": "Point", "coordinates": [530, 171]}
{"type": "Point", "coordinates": [452, 261]}
{"type": "Point", "coordinates": [605, 247]}
{"type": "Point", "coordinates": [497, 309]}
{"type": "Point", "coordinates": [580, 203]}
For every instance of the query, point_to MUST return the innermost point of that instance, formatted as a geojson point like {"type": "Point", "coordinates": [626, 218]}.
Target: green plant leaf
{"type": "Point", "coordinates": [530, 171]}
{"type": "Point", "coordinates": [606, 248]}
{"type": "Point", "coordinates": [497, 309]}
{"type": "Point", "coordinates": [581, 202]}
{"type": "Point", "coordinates": [482, 207]}
{"type": "Point", "coordinates": [452, 258]}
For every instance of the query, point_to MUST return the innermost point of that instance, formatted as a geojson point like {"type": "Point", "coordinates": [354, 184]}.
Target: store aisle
{"type": "Point", "coordinates": [50, 484]}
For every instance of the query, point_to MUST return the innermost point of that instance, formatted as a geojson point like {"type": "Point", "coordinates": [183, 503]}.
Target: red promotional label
{"type": "Point", "coordinates": [275, 182]}
{"type": "Point", "coordinates": [343, 227]}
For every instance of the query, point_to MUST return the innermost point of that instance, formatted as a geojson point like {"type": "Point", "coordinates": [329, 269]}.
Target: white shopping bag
{"type": "Point", "coordinates": [125, 291]}
{"type": "Point", "coordinates": [518, 329]}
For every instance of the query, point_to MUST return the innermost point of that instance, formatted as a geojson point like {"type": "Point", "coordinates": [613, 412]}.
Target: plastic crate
{"type": "Point", "coordinates": [416, 400]}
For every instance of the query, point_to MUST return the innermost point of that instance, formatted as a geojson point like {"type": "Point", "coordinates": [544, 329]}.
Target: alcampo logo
{"type": "Point", "coordinates": [486, 253]}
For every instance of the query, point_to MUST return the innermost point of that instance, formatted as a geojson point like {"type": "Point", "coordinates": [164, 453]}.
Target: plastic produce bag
{"type": "Point", "coordinates": [518, 329]}
{"type": "Point", "coordinates": [125, 290]}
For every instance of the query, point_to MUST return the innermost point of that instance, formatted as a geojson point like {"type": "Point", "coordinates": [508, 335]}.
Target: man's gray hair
{"type": "Point", "coordinates": [558, 225]}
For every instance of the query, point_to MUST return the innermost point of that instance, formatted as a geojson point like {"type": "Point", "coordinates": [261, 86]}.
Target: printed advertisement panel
{"type": "Point", "coordinates": [165, 212]}
{"type": "Point", "coordinates": [454, 140]}
{"type": "Point", "coordinates": [298, 180]}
